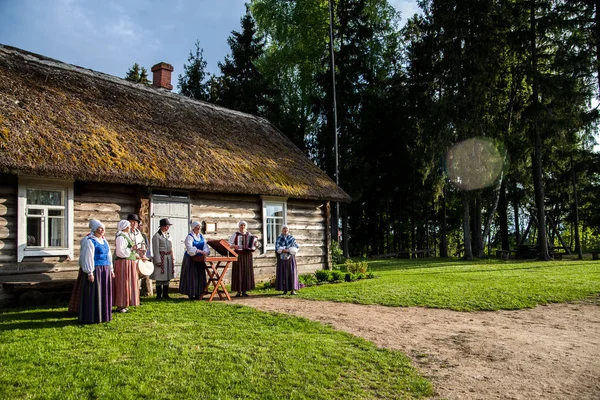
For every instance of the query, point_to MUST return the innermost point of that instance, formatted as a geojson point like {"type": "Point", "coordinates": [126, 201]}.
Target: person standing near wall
{"type": "Point", "coordinates": [95, 261]}
{"type": "Point", "coordinates": [193, 273]}
{"type": "Point", "coordinates": [127, 291]}
{"type": "Point", "coordinates": [164, 267]}
{"type": "Point", "coordinates": [242, 270]}
{"type": "Point", "coordinates": [287, 269]}
{"type": "Point", "coordinates": [142, 248]}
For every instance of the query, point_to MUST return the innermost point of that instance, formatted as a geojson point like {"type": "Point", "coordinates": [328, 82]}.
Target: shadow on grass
{"type": "Point", "coordinates": [36, 319]}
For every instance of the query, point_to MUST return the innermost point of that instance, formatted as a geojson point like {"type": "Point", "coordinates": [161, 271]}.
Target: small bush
{"type": "Point", "coordinates": [337, 276]}
{"type": "Point", "coordinates": [356, 266]}
{"type": "Point", "coordinates": [337, 255]}
{"type": "Point", "coordinates": [349, 277]}
{"type": "Point", "coordinates": [323, 275]}
{"type": "Point", "coordinates": [307, 279]}
{"type": "Point", "coordinates": [270, 284]}
{"type": "Point", "coordinates": [370, 275]}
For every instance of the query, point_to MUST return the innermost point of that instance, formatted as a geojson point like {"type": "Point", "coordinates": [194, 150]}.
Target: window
{"type": "Point", "coordinates": [274, 217]}
{"type": "Point", "coordinates": [45, 218]}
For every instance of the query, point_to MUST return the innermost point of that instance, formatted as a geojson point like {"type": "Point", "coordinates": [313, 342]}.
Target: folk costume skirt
{"type": "Point", "coordinates": [242, 272]}
{"type": "Point", "coordinates": [95, 301]}
{"type": "Point", "coordinates": [286, 274]}
{"type": "Point", "coordinates": [193, 277]}
{"type": "Point", "coordinates": [76, 293]}
{"type": "Point", "coordinates": [126, 288]}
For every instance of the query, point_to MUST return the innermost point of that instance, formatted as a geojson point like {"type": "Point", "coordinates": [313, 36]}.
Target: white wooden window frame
{"type": "Point", "coordinates": [49, 184]}
{"type": "Point", "coordinates": [271, 201]}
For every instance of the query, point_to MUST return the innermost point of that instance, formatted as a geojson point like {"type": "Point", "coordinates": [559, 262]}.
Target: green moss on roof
{"type": "Point", "coordinates": [60, 120]}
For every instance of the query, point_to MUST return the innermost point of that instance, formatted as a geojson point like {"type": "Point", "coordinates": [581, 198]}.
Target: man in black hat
{"type": "Point", "coordinates": [164, 266]}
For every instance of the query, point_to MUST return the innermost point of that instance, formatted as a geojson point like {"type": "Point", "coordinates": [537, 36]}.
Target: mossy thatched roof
{"type": "Point", "coordinates": [59, 120]}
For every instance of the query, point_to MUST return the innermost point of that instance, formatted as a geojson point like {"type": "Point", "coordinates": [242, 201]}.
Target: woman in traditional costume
{"type": "Point", "coordinates": [127, 291]}
{"type": "Point", "coordinates": [193, 273]}
{"type": "Point", "coordinates": [164, 268]}
{"type": "Point", "coordinates": [242, 270]}
{"type": "Point", "coordinates": [287, 269]}
{"type": "Point", "coordinates": [82, 276]}
{"type": "Point", "coordinates": [95, 260]}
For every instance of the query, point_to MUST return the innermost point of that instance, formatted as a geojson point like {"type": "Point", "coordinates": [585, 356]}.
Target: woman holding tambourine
{"type": "Point", "coordinates": [242, 270]}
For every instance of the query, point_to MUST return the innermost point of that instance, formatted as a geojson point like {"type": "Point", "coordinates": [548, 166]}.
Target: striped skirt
{"type": "Point", "coordinates": [286, 274]}
{"type": "Point", "coordinates": [126, 289]}
{"type": "Point", "coordinates": [193, 277]}
{"type": "Point", "coordinates": [242, 272]}
{"type": "Point", "coordinates": [95, 301]}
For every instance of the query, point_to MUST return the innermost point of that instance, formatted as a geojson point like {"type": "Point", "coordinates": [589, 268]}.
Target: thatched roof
{"type": "Point", "coordinates": [59, 120]}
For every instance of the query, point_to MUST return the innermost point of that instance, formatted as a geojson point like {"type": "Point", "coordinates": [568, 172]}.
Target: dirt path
{"type": "Point", "coordinates": [550, 352]}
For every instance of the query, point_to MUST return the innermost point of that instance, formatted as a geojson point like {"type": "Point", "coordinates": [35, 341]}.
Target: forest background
{"type": "Point", "coordinates": [469, 129]}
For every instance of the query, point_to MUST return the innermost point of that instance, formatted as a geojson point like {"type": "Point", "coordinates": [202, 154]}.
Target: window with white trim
{"type": "Point", "coordinates": [45, 223]}
{"type": "Point", "coordinates": [274, 217]}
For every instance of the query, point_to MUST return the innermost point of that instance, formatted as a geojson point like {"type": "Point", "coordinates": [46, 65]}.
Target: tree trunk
{"type": "Point", "coordinates": [575, 200]}
{"type": "Point", "coordinates": [492, 210]}
{"type": "Point", "coordinates": [443, 231]}
{"type": "Point", "coordinates": [517, 223]}
{"type": "Point", "coordinates": [467, 226]}
{"type": "Point", "coordinates": [503, 214]}
{"type": "Point", "coordinates": [345, 232]}
{"type": "Point", "coordinates": [477, 244]}
{"type": "Point", "coordinates": [538, 182]}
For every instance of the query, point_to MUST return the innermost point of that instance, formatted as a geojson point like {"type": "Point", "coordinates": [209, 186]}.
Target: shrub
{"type": "Point", "coordinates": [370, 275]}
{"type": "Point", "coordinates": [349, 277]}
{"type": "Point", "coordinates": [307, 279]}
{"type": "Point", "coordinates": [337, 255]}
{"type": "Point", "coordinates": [356, 266]}
{"type": "Point", "coordinates": [322, 275]}
{"type": "Point", "coordinates": [337, 276]}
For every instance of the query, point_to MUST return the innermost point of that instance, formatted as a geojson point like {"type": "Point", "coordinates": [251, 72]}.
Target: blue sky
{"type": "Point", "coordinates": [111, 35]}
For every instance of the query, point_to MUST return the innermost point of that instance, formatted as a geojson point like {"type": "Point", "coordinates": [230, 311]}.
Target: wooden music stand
{"type": "Point", "coordinates": [213, 264]}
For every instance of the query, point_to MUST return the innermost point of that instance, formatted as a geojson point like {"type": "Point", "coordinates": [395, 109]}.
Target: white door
{"type": "Point", "coordinates": [178, 213]}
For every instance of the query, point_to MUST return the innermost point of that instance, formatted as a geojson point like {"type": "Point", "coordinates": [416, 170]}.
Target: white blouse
{"type": "Point", "coordinates": [86, 256]}
{"type": "Point", "coordinates": [189, 246]}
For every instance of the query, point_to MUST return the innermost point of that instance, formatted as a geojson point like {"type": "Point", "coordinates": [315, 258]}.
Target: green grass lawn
{"type": "Point", "coordinates": [188, 349]}
{"type": "Point", "coordinates": [457, 285]}
{"type": "Point", "coordinates": [182, 349]}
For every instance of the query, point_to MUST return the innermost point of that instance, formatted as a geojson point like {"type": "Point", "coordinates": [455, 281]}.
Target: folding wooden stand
{"type": "Point", "coordinates": [213, 266]}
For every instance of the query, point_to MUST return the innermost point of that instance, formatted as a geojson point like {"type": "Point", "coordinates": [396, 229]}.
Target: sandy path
{"type": "Point", "coordinates": [550, 352]}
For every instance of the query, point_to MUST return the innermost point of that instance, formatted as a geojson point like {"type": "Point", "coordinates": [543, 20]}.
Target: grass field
{"type": "Point", "coordinates": [186, 349]}
{"type": "Point", "coordinates": [456, 285]}
{"type": "Point", "coordinates": [181, 349]}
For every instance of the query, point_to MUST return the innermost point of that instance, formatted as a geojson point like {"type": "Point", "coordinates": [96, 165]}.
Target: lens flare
{"type": "Point", "coordinates": [474, 164]}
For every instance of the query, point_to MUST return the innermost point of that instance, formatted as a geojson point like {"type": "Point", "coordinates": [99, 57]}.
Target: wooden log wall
{"type": "Point", "coordinates": [8, 218]}
{"type": "Point", "coordinates": [307, 221]}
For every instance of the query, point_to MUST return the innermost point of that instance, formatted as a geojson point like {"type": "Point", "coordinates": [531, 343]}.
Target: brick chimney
{"type": "Point", "coordinates": [161, 76]}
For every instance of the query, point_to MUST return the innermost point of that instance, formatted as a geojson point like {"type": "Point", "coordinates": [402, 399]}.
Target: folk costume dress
{"type": "Point", "coordinates": [95, 298]}
{"type": "Point", "coordinates": [164, 267]}
{"type": "Point", "coordinates": [286, 273]}
{"type": "Point", "coordinates": [242, 270]}
{"type": "Point", "coordinates": [76, 294]}
{"type": "Point", "coordinates": [127, 290]}
{"type": "Point", "coordinates": [193, 273]}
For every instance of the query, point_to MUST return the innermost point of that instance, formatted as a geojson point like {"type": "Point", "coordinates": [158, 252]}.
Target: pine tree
{"type": "Point", "coordinates": [194, 81]}
{"type": "Point", "coordinates": [242, 86]}
{"type": "Point", "coordinates": [137, 74]}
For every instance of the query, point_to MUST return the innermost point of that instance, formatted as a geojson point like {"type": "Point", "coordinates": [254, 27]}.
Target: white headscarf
{"type": "Point", "coordinates": [123, 224]}
{"type": "Point", "coordinates": [195, 224]}
{"type": "Point", "coordinates": [242, 222]}
{"type": "Point", "coordinates": [285, 226]}
{"type": "Point", "coordinates": [95, 224]}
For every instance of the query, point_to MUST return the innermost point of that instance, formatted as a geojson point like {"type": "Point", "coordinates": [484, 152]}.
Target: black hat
{"type": "Point", "coordinates": [165, 222]}
{"type": "Point", "coordinates": [133, 217]}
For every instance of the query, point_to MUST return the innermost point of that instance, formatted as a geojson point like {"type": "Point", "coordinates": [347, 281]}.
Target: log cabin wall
{"type": "Point", "coordinates": [306, 219]}
{"type": "Point", "coordinates": [8, 219]}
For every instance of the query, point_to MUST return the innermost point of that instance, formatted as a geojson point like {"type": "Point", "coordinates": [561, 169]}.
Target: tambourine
{"type": "Point", "coordinates": [145, 268]}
